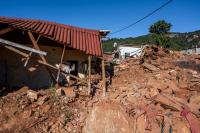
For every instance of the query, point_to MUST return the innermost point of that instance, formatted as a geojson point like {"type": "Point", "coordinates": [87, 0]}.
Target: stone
{"type": "Point", "coordinates": [83, 116]}
{"type": "Point", "coordinates": [27, 114]}
{"type": "Point", "coordinates": [69, 92]}
{"type": "Point", "coordinates": [108, 117]}
{"type": "Point", "coordinates": [173, 73]}
{"type": "Point", "coordinates": [42, 100]}
{"type": "Point", "coordinates": [32, 95]}
{"type": "Point", "coordinates": [45, 108]}
{"type": "Point", "coordinates": [150, 67]}
{"type": "Point", "coordinates": [131, 99]}
{"type": "Point", "coordinates": [60, 92]}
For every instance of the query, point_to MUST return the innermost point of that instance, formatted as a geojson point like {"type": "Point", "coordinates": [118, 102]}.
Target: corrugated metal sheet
{"type": "Point", "coordinates": [82, 39]}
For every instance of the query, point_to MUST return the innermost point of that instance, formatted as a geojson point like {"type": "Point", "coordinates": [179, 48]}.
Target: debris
{"type": "Point", "coordinates": [42, 100]}
{"type": "Point", "coordinates": [167, 103]}
{"type": "Point", "coordinates": [136, 101]}
{"type": "Point", "coordinates": [27, 114]}
{"type": "Point", "coordinates": [150, 67]}
{"type": "Point", "coordinates": [32, 95]}
{"type": "Point", "coordinates": [192, 120]}
{"type": "Point", "coordinates": [69, 92]}
{"type": "Point", "coordinates": [60, 92]}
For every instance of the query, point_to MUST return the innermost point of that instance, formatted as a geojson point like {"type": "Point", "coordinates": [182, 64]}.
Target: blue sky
{"type": "Point", "coordinates": [108, 14]}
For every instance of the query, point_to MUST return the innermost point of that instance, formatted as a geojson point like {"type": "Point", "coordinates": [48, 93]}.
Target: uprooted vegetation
{"type": "Point", "coordinates": [157, 92]}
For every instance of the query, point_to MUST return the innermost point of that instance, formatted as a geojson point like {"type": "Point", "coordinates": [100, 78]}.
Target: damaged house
{"type": "Point", "coordinates": [38, 53]}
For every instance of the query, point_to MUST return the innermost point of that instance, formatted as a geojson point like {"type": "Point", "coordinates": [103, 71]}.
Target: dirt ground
{"type": "Point", "coordinates": [160, 92]}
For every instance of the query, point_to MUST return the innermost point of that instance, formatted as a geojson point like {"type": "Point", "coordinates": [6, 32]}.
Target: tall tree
{"type": "Point", "coordinates": [160, 31]}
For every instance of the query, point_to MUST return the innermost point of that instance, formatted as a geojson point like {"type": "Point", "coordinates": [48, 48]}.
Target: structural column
{"type": "Point", "coordinates": [89, 74]}
{"type": "Point", "coordinates": [103, 76]}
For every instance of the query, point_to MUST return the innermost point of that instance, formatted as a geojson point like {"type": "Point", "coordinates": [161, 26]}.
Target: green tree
{"type": "Point", "coordinates": [160, 32]}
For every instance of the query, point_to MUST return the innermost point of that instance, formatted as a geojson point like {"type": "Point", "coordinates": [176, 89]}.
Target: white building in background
{"type": "Point", "coordinates": [191, 51]}
{"type": "Point", "coordinates": [128, 51]}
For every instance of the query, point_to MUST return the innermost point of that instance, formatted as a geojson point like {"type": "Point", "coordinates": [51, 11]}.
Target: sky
{"type": "Point", "coordinates": [184, 15]}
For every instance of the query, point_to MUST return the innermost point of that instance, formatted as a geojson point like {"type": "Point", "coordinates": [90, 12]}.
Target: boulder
{"type": "Point", "coordinates": [108, 117]}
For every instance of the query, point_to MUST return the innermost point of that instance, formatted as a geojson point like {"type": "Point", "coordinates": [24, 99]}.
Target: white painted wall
{"type": "Point", "coordinates": [131, 50]}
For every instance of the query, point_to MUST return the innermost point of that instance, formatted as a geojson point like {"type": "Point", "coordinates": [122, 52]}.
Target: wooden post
{"type": "Point", "coordinates": [103, 77]}
{"type": "Point", "coordinates": [61, 60]}
{"type": "Point", "coordinates": [103, 70]}
{"type": "Point", "coordinates": [89, 74]}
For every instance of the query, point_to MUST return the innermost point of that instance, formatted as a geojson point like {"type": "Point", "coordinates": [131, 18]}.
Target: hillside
{"type": "Point", "coordinates": [179, 41]}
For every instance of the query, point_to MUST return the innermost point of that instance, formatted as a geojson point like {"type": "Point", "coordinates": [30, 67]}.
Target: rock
{"type": "Point", "coordinates": [167, 103]}
{"type": "Point", "coordinates": [69, 127]}
{"type": "Point", "coordinates": [69, 92]}
{"type": "Point", "coordinates": [195, 99]}
{"type": "Point", "coordinates": [181, 127]}
{"type": "Point", "coordinates": [131, 99]}
{"type": "Point", "coordinates": [173, 73]}
{"type": "Point", "coordinates": [32, 95]}
{"type": "Point", "coordinates": [27, 114]}
{"type": "Point", "coordinates": [108, 117]}
{"type": "Point", "coordinates": [45, 108]}
{"type": "Point", "coordinates": [42, 100]}
{"type": "Point", "coordinates": [150, 67]}
{"type": "Point", "coordinates": [60, 92]}
{"type": "Point", "coordinates": [83, 116]}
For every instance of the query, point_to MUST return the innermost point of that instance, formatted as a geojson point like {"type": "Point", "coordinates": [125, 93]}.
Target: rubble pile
{"type": "Point", "coordinates": [160, 90]}
{"type": "Point", "coordinates": [52, 110]}
{"type": "Point", "coordinates": [157, 92]}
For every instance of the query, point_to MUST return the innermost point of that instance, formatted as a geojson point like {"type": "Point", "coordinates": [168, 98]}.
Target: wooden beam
{"type": "Point", "coordinates": [13, 44]}
{"type": "Point", "coordinates": [6, 30]}
{"type": "Point", "coordinates": [17, 51]}
{"type": "Point", "coordinates": [35, 45]}
{"type": "Point", "coordinates": [103, 77]}
{"type": "Point", "coordinates": [103, 70]}
{"type": "Point", "coordinates": [27, 59]}
{"type": "Point", "coordinates": [89, 74]}
{"type": "Point", "coordinates": [75, 77]}
{"type": "Point", "coordinates": [61, 61]}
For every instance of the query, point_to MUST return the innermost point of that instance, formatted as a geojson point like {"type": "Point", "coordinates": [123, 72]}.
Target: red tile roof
{"type": "Point", "coordinates": [85, 40]}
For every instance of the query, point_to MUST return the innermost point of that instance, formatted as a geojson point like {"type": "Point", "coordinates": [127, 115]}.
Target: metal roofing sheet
{"type": "Point", "coordinates": [82, 39]}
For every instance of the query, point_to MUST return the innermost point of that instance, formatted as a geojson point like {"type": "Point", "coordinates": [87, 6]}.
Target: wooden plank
{"type": "Point", "coordinates": [35, 45]}
{"type": "Point", "coordinates": [6, 30]}
{"type": "Point", "coordinates": [27, 59]}
{"type": "Point", "coordinates": [13, 44]}
{"type": "Point", "coordinates": [17, 51]}
{"type": "Point", "coordinates": [89, 74]}
{"type": "Point", "coordinates": [61, 61]}
{"type": "Point", "coordinates": [103, 70]}
{"type": "Point", "coordinates": [103, 77]}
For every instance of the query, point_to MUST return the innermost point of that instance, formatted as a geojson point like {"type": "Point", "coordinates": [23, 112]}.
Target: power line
{"type": "Point", "coordinates": [146, 16]}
